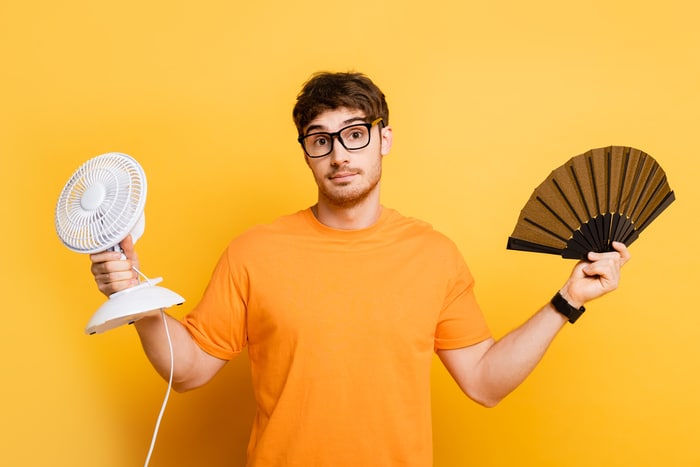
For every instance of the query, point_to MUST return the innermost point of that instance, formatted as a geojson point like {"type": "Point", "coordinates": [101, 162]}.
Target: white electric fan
{"type": "Point", "coordinates": [100, 205]}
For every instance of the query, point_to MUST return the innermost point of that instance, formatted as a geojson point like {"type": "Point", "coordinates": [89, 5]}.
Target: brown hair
{"type": "Point", "coordinates": [328, 91]}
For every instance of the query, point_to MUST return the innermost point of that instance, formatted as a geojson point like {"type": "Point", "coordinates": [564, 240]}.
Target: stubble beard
{"type": "Point", "coordinates": [348, 196]}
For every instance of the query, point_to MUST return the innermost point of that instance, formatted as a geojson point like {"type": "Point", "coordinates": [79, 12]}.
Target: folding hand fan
{"type": "Point", "coordinates": [100, 205]}
{"type": "Point", "coordinates": [604, 195]}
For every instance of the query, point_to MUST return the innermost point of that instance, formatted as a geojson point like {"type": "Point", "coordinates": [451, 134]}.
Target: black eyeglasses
{"type": "Point", "coordinates": [352, 137]}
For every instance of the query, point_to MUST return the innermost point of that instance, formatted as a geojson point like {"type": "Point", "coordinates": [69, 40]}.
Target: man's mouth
{"type": "Point", "coordinates": [342, 176]}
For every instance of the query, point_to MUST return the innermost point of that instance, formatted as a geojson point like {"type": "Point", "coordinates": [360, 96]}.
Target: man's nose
{"type": "Point", "coordinates": [339, 154]}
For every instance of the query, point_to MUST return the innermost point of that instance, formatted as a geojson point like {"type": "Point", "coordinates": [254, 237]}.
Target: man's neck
{"type": "Point", "coordinates": [360, 216]}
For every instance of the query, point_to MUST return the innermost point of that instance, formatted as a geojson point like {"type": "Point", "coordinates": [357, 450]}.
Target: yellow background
{"type": "Point", "coordinates": [486, 99]}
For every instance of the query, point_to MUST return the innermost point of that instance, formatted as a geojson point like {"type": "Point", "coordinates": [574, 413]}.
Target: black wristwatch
{"type": "Point", "coordinates": [565, 308]}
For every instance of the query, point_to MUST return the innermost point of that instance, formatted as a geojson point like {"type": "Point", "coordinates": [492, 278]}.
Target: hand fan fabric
{"type": "Point", "coordinates": [604, 195]}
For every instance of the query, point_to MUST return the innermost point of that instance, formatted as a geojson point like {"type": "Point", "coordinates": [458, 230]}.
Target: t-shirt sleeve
{"type": "Point", "coordinates": [218, 322]}
{"type": "Point", "coordinates": [461, 322]}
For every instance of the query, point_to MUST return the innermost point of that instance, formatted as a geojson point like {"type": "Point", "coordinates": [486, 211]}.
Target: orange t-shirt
{"type": "Point", "coordinates": [341, 327]}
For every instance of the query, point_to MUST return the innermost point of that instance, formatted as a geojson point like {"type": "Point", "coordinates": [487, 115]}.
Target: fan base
{"type": "Point", "coordinates": [132, 304]}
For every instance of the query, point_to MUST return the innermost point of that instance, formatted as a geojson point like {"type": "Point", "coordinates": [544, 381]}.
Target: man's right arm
{"type": "Point", "coordinates": [193, 367]}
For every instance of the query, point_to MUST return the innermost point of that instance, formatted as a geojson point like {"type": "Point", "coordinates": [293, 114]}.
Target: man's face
{"type": "Point", "coordinates": [345, 177]}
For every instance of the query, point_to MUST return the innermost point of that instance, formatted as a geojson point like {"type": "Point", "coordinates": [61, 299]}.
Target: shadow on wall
{"type": "Point", "coordinates": [209, 425]}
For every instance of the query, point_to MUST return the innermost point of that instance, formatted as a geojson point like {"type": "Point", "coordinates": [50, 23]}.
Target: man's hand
{"type": "Point", "coordinates": [114, 271]}
{"type": "Point", "coordinates": [596, 277]}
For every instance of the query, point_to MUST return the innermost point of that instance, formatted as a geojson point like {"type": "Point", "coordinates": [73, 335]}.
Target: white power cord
{"type": "Point", "coordinates": [170, 379]}
{"type": "Point", "coordinates": [167, 394]}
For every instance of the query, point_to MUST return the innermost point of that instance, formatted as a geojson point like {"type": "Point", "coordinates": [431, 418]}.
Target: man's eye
{"type": "Point", "coordinates": [355, 134]}
{"type": "Point", "coordinates": [320, 140]}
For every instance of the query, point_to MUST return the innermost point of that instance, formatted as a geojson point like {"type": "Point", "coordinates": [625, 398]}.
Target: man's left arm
{"type": "Point", "coordinates": [490, 370]}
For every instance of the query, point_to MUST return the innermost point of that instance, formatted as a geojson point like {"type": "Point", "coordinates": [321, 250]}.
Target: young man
{"type": "Point", "coordinates": [343, 304]}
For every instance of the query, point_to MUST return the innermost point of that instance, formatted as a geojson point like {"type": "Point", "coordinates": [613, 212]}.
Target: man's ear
{"type": "Point", "coordinates": [387, 139]}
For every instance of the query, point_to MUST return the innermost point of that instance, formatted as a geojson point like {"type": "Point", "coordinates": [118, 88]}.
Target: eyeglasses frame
{"type": "Point", "coordinates": [336, 135]}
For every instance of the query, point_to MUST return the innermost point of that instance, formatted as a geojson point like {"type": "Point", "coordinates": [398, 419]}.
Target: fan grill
{"type": "Point", "coordinates": [101, 203]}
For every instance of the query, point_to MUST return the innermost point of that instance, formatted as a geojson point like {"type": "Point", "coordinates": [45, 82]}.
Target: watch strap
{"type": "Point", "coordinates": [565, 308]}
